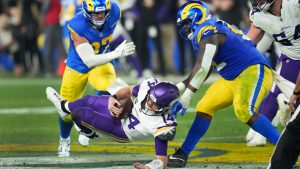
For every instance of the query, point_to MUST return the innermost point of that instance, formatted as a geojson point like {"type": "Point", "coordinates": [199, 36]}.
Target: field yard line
{"type": "Point", "coordinates": [39, 110]}
{"type": "Point", "coordinates": [29, 110]}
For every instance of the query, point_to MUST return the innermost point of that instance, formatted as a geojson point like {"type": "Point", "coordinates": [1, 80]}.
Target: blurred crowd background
{"type": "Point", "coordinates": [34, 37]}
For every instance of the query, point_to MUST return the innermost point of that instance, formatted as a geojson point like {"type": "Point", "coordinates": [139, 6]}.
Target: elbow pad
{"type": "Point", "coordinates": [169, 136]}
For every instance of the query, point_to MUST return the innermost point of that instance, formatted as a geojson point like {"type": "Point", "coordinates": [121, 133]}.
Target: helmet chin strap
{"type": "Point", "coordinates": [191, 35]}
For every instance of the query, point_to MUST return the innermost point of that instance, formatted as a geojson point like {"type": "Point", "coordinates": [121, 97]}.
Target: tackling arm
{"type": "Point", "coordinates": [125, 91]}
{"type": "Point", "coordinates": [208, 49]}
{"type": "Point", "coordinates": [87, 55]}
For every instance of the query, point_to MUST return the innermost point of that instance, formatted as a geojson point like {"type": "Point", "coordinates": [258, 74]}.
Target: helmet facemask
{"type": "Point", "coordinates": [160, 98]}
{"type": "Point", "coordinates": [96, 12]}
{"type": "Point", "coordinates": [262, 5]}
{"type": "Point", "coordinates": [185, 27]}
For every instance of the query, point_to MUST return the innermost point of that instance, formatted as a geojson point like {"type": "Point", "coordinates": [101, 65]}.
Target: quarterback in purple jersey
{"type": "Point", "coordinates": [149, 116]}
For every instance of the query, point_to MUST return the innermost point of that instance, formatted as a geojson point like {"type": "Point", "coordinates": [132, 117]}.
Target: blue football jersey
{"type": "Point", "coordinates": [99, 39]}
{"type": "Point", "coordinates": [235, 55]}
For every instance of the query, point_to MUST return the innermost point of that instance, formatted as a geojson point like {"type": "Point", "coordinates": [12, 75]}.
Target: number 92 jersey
{"type": "Point", "coordinates": [99, 39]}
{"type": "Point", "coordinates": [235, 55]}
{"type": "Point", "coordinates": [139, 125]}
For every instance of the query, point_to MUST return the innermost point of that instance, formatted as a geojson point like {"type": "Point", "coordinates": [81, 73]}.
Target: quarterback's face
{"type": "Point", "coordinates": [151, 105]}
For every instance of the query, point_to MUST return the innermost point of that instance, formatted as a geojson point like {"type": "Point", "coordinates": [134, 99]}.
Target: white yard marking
{"type": "Point", "coordinates": [28, 110]}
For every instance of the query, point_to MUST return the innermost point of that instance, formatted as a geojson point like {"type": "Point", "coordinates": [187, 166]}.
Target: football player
{"type": "Point", "coordinates": [89, 57]}
{"type": "Point", "coordinates": [150, 115]}
{"type": "Point", "coordinates": [279, 21]}
{"type": "Point", "coordinates": [245, 76]}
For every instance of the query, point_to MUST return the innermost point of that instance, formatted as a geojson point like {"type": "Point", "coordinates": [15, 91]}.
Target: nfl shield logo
{"type": "Point", "coordinates": [101, 34]}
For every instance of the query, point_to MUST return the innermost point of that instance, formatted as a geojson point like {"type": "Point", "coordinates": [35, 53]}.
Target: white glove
{"type": "Point", "coordinates": [186, 98]}
{"type": "Point", "coordinates": [125, 49]}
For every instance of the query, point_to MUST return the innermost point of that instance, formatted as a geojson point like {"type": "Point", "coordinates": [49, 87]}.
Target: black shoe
{"type": "Point", "coordinates": [178, 159]}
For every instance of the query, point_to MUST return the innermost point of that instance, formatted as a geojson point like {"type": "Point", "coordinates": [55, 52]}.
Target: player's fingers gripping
{"type": "Point", "coordinates": [175, 109]}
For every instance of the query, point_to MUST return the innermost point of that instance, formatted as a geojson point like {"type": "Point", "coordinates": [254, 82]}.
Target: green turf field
{"type": "Point", "coordinates": [29, 128]}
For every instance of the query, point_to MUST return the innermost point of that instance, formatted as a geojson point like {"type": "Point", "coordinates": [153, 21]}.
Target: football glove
{"type": "Point", "coordinates": [125, 49]}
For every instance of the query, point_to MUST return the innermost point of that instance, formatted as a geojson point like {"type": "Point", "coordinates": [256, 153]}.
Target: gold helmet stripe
{"type": "Point", "coordinates": [185, 10]}
{"type": "Point", "coordinates": [108, 6]}
{"type": "Point", "coordinates": [90, 5]}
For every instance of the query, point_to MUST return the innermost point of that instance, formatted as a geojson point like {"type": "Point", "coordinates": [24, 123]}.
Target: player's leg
{"type": "Point", "coordinates": [206, 107]}
{"type": "Point", "coordinates": [101, 77]}
{"type": "Point", "coordinates": [288, 69]}
{"type": "Point", "coordinates": [287, 149]}
{"type": "Point", "coordinates": [249, 89]}
{"type": "Point", "coordinates": [72, 88]}
{"type": "Point", "coordinates": [91, 114]}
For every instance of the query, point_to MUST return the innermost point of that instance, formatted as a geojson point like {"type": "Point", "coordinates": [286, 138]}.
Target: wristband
{"type": "Point", "coordinates": [155, 164]}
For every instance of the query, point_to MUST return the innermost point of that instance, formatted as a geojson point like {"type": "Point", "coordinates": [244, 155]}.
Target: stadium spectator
{"type": "Point", "coordinates": [280, 22]}
{"type": "Point", "coordinates": [53, 36]}
{"type": "Point", "coordinates": [148, 27]}
{"type": "Point", "coordinates": [6, 44]}
{"type": "Point", "coordinates": [288, 147]}
{"type": "Point", "coordinates": [89, 57]}
{"type": "Point", "coordinates": [29, 29]}
{"type": "Point", "coordinates": [148, 116]}
{"type": "Point", "coordinates": [244, 80]}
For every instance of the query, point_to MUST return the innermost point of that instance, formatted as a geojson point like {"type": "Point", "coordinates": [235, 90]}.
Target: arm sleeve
{"type": "Point", "coordinates": [135, 90]}
{"type": "Point", "coordinates": [161, 147]}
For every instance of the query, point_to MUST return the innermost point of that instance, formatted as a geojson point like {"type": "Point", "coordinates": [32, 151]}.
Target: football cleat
{"type": "Point", "coordinates": [56, 99]}
{"type": "Point", "coordinates": [83, 140]}
{"type": "Point", "coordinates": [250, 135]}
{"type": "Point", "coordinates": [257, 140]}
{"type": "Point", "coordinates": [178, 159]}
{"type": "Point", "coordinates": [64, 147]}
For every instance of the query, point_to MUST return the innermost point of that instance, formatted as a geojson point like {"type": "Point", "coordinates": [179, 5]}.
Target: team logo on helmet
{"type": "Point", "coordinates": [189, 16]}
{"type": "Point", "coordinates": [92, 7]}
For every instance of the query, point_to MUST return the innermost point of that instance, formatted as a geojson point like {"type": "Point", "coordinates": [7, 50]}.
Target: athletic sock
{"type": "Point", "coordinates": [196, 132]}
{"type": "Point", "coordinates": [263, 126]}
{"type": "Point", "coordinates": [65, 128]}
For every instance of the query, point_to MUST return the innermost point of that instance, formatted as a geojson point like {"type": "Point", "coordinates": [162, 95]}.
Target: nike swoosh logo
{"type": "Point", "coordinates": [175, 158]}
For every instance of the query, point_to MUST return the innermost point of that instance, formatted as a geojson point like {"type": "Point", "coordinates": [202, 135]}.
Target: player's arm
{"type": "Point", "coordinates": [296, 94]}
{"type": "Point", "coordinates": [255, 34]}
{"type": "Point", "coordinates": [87, 55]}
{"type": "Point", "coordinates": [125, 91]}
{"type": "Point", "coordinates": [208, 50]}
{"type": "Point", "coordinates": [161, 161]}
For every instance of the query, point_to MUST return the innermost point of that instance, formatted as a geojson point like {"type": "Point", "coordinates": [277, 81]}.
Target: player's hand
{"type": "Point", "coordinates": [293, 100]}
{"type": "Point", "coordinates": [140, 166]}
{"type": "Point", "coordinates": [114, 106]}
{"type": "Point", "coordinates": [125, 49]}
{"type": "Point", "coordinates": [176, 108]}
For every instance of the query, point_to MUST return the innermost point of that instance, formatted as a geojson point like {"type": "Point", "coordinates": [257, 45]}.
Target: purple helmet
{"type": "Point", "coordinates": [164, 94]}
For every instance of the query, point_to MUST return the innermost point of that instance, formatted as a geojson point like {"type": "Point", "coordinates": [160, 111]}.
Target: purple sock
{"type": "Point", "coordinates": [269, 106]}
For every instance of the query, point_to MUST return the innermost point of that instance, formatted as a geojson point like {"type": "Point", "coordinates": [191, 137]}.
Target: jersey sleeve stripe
{"type": "Point", "coordinates": [72, 30]}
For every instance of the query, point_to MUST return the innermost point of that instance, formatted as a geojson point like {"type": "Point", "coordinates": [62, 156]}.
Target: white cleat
{"type": "Point", "coordinates": [56, 99]}
{"type": "Point", "coordinates": [257, 140]}
{"type": "Point", "coordinates": [250, 134]}
{"type": "Point", "coordinates": [83, 140]}
{"type": "Point", "coordinates": [64, 147]}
